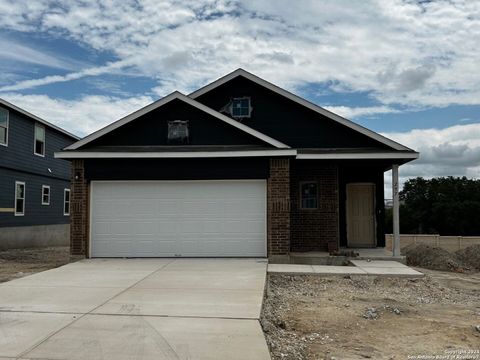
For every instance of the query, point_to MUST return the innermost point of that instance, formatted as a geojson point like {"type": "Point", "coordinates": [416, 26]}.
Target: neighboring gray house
{"type": "Point", "coordinates": [34, 186]}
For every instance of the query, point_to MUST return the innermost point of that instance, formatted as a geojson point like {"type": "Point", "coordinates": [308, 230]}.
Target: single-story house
{"type": "Point", "coordinates": [238, 168]}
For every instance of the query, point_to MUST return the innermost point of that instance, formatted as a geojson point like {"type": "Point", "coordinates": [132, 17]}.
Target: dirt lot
{"type": "Point", "coordinates": [16, 263]}
{"type": "Point", "coordinates": [312, 317]}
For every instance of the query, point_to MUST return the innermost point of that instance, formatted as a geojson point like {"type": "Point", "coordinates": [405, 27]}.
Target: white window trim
{"type": "Point", "coordinates": [69, 201]}
{"type": "Point", "coordinates": [249, 107]}
{"type": "Point", "coordinates": [8, 125]}
{"type": "Point", "coordinates": [35, 140]}
{"type": "Point", "coordinates": [24, 196]}
{"type": "Point", "coordinates": [46, 187]}
{"type": "Point", "coordinates": [300, 190]}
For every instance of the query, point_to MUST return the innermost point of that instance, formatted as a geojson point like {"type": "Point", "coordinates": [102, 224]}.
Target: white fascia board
{"type": "Point", "coordinates": [165, 100]}
{"type": "Point", "coordinates": [372, 134]}
{"type": "Point", "coordinates": [36, 118]}
{"type": "Point", "coordinates": [179, 154]}
{"type": "Point", "coordinates": [340, 156]}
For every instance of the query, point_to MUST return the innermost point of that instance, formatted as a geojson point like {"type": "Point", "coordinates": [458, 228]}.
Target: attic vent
{"type": "Point", "coordinates": [178, 132]}
{"type": "Point", "coordinates": [238, 108]}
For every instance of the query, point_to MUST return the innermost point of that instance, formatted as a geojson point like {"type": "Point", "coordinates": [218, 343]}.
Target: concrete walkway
{"type": "Point", "coordinates": [136, 309]}
{"type": "Point", "coordinates": [361, 267]}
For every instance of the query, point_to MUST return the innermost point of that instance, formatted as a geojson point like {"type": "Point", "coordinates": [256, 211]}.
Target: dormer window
{"type": "Point", "coordinates": [178, 132]}
{"type": "Point", "coordinates": [241, 107]}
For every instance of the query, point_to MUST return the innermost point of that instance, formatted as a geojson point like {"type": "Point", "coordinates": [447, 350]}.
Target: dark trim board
{"type": "Point", "coordinates": [176, 169]}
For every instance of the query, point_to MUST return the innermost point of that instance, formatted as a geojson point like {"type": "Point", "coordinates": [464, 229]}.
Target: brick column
{"type": "Point", "coordinates": [278, 212]}
{"type": "Point", "coordinates": [79, 210]}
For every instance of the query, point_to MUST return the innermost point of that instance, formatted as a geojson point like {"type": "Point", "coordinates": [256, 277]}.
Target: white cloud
{"type": "Point", "coordinates": [453, 151]}
{"type": "Point", "coordinates": [26, 54]}
{"type": "Point", "coordinates": [81, 116]}
{"type": "Point", "coordinates": [355, 112]}
{"type": "Point", "coordinates": [413, 53]}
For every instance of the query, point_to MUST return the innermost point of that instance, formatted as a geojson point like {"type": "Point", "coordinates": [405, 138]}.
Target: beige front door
{"type": "Point", "coordinates": [361, 215]}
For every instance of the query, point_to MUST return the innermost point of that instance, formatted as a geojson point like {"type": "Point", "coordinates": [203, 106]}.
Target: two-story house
{"type": "Point", "coordinates": [34, 186]}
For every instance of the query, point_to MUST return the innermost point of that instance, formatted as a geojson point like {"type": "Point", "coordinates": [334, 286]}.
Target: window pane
{"type": "Point", "coordinates": [20, 191]}
{"type": "Point", "coordinates": [3, 135]}
{"type": "Point", "coordinates": [46, 190]}
{"type": "Point", "coordinates": [39, 147]}
{"type": "Point", "coordinates": [178, 132]}
{"type": "Point", "coordinates": [67, 195]}
{"type": "Point", "coordinates": [309, 195]}
{"type": "Point", "coordinates": [3, 117]}
{"type": "Point", "coordinates": [19, 206]}
{"type": "Point", "coordinates": [40, 133]}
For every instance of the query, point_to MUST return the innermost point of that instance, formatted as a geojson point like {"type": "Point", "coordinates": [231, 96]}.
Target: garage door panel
{"type": "Point", "coordinates": [172, 218]}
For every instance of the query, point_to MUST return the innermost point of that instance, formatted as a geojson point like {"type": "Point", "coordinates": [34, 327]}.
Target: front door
{"type": "Point", "coordinates": [361, 215]}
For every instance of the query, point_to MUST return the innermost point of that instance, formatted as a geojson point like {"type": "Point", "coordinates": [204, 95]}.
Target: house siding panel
{"type": "Point", "coordinates": [285, 120]}
{"type": "Point", "coordinates": [19, 163]}
{"type": "Point", "coordinates": [35, 212]}
{"type": "Point", "coordinates": [176, 169]}
{"type": "Point", "coordinates": [152, 129]}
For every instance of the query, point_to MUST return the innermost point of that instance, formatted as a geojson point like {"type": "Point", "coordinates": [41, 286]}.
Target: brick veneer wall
{"type": "Point", "coordinates": [278, 212]}
{"type": "Point", "coordinates": [79, 210]}
{"type": "Point", "coordinates": [313, 229]}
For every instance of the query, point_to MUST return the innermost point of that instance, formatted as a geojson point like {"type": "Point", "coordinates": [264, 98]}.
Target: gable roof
{"type": "Point", "coordinates": [240, 72]}
{"type": "Point", "coordinates": [36, 118]}
{"type": "Point", "coordinates": [165, 100]}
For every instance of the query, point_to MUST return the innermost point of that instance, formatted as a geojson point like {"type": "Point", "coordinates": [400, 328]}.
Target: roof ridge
{"type": "Point", "coordinates": [298, 99]}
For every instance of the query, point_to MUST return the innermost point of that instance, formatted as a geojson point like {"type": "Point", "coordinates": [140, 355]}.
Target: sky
{"type": "Point", "coordinates": [408, 69]}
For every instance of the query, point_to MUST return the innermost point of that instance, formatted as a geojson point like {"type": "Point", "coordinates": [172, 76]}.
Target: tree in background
{"type": "Point", "coordinates": [445, 206]}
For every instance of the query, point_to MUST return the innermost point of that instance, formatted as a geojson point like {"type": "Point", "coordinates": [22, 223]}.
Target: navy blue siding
{"type": "Point", "coordinates": [19, 163]}
{"type": "Point", "coordinates": [35, 212]}
{"type": "Point", "coordinates": [176, 169]}
{"type": "Point", "coordinates": [152, 128]}
{"type": "Point", "coordinates": [286, 120]}
{"type": "Point", "coordinates": [18, 155]}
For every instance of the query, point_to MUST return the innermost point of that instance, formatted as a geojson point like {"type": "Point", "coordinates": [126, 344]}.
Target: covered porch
{"type": "Point", "coordinates": [349, 216]}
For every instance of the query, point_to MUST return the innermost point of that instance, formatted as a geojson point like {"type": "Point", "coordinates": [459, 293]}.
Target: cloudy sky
{"type": "Point", "coordinates": [408, 69]}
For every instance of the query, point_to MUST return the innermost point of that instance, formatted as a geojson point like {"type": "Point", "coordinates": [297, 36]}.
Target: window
{"type": "Point", "coordinates": [45, 195]}
{"type": "Point", "coordinates": [178, 132]}
{"type": "Point", "coordinates": [39, 140]}
{"type": "Point", "coordinates": [308, 195]}
{"type": "Point", "coordinates": [3, 126]}
{"type": "Point", "coordinates": [241, 107]}
{"type": "Point", "coordinates": [66, 202]}
{"type": "Point", "coordinates": [19, 198]}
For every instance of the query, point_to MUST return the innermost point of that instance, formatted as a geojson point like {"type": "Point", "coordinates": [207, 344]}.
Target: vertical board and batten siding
{"type": "Point", "coordinates": [286, 120]}
{"type": "Point", "coordinates": [19, 163]}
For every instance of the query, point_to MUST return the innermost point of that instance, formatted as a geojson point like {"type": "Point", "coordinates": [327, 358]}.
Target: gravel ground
{"type": "Point", "coordinates": [16, 263]}
{"type": "Point", "coordinates": [312, 317]}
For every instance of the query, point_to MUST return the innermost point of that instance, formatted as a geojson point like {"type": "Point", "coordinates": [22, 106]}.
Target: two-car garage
{"type": "Point", "coordinates": [208, 218]}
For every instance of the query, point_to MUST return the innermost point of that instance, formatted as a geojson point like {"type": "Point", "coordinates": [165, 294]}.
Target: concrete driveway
{"type": "Point", "coordinates": [136, 309]}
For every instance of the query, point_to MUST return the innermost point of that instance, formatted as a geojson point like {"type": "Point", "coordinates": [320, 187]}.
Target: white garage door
{"type": "Point", "coordinates": [178, 218]}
